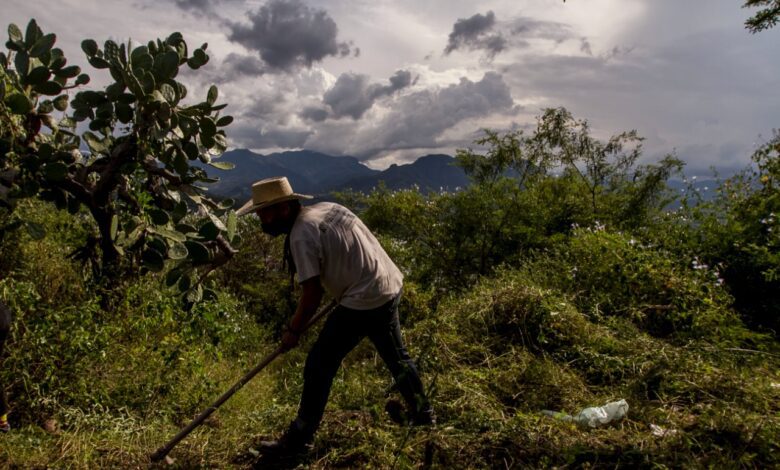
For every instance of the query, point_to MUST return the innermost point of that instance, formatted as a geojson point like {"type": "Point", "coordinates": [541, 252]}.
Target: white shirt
{"type": "Point", "coordinates": [329, 241]}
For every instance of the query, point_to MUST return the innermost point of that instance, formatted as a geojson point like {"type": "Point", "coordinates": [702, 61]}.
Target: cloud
{"type": "Point", "coordinates": [209, 9]}
{"type": "Point", "coordinates": [472, 33]}
{"type": "Point", "coordinates": [289, 34]}
{"type": "Point", "coordinates": [315, 114]}
{"type": "Point", "coordinates": [486, 33]}
{"type": "Point", "coordinates": [239, 65]}
{"type": "Point", "coordinates": [668, 92]}
{"type": "Point", "coordinates": [530, 28]}
{"type": "Point", "coordinates": [248, 135]}
{"type": "Point", "coordinates": [417, 120]}
{"type": "Point", "coordinates": [585, 46]}
{"type": "Point", "coordinates": [352, 94]}
{"type": "Point", "coordinates": [194, 5]}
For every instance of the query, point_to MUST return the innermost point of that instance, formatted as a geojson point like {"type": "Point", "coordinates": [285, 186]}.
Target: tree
{"type": "Point", "coordinates": [765, 18]}
{"type": "Point", "coordinates": [606, 171]}
{"type": "Point", "coordinates": [527, 192]}
{"type": "Point", "coordinates": [133, 170]}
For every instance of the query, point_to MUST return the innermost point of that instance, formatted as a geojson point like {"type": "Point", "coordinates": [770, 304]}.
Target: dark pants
{"type": "Point", "coordinates": [5, 327]}
{"type": "Point", "coordinates": [343, 330]}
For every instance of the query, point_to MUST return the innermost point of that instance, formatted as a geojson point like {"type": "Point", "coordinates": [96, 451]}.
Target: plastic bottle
{"type": "Point", "coordinates": [594, 416]}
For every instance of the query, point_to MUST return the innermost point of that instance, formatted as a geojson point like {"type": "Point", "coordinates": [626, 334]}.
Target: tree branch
{"type": "Point", "coordinates": [109, 176]}
{"type": "Point", "coordinates": [153, 169]}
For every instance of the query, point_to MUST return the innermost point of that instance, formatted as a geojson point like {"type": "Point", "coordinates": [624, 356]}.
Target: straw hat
{"type": "Point", "coordinates": [268, 192]}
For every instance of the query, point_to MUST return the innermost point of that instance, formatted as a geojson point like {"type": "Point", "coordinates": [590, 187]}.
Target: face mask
{"type": "Point", "coordinates": [275, 228]}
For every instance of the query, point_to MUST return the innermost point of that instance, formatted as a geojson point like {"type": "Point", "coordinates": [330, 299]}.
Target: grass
{"type": "Point", "coordinates": [719, 405]}
{"type": "Point", "coordinates": [120, 384]}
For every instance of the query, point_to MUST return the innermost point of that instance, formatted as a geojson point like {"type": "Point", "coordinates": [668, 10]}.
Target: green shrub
{"type": "Point", "coordinates": [257, 276]}
{"type": "Point", "coordinates": [613, 274]}
{"type": "Point", "coordinates": [739, 233]}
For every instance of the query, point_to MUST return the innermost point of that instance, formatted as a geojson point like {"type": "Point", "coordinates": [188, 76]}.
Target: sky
{"type": "Point", "coordinates": [389, 81]}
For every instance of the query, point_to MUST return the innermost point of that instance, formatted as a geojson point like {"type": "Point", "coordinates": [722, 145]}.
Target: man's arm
{"type": "Point", "coordinates": [311, 295]}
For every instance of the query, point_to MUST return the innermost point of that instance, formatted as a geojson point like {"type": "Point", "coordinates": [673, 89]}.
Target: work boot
{"type": "Point", "coordinates": [297, 440]}
{"type": "Point", "coordinates": [5, 427]}
{"type": "Point", "coordinates": [402, 417]}
{"type": "Point", "coordinates": [424, 418]}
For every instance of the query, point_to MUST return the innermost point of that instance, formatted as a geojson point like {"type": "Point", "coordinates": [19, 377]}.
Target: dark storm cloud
{"type": "Point", "coordinates": [201, 8]}
{"type": "Point", "coordinates": [314, 114]}
{"type": "Point", "coordinates": [352, 94]}
{"type": "Point", "coordinates": [239, 65]}
{"type": "Point", "coordinates": [486, 33]}
{"type": "Point", "coordinates": [473, 33]}
{"type": "Point", "coordinates": [420, 118]}
{"type": "Point", "coordinates": [289, 34]}
{"type": "Point", "coordinates": [417, 120]}
{"type": "Point", "coordinates": [529, 28]}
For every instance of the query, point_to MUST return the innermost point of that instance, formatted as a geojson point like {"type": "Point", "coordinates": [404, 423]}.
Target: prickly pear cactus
{"type": "Point", "coordinates": [132, 170]}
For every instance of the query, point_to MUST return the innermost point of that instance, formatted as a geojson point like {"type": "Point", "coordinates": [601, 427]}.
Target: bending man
{"type": "Point", "coordinates": [332, 250]}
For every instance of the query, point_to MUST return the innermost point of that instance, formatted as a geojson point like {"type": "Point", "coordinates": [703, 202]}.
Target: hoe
{"type": "Point", "coordinates": [163, 451]}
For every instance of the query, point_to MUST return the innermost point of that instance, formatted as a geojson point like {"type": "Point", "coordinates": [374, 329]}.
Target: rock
{"type": "Point", "coordinates": [51, 426]}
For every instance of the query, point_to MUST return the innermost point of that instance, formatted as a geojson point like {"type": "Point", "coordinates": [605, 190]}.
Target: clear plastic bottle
{"type": "Point", "coordinates": [594, 416]}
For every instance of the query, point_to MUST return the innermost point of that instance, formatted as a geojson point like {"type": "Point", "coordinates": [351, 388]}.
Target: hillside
{"type": "Point", "coordinates": [320, 174]}
{"type": "Point", "coordinates": [702, 390]}
{"type": "Point", "coordinates": [428, 173]}
{"type": "Point", "coordinates": [309, 172]}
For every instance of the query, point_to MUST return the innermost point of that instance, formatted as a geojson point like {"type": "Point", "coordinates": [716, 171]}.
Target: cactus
{"type": "Point", "coordinates": [136, 180]}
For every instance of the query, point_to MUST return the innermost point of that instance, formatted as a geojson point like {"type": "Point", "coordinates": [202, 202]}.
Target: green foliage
{"type": "Point", "coordinates": [526, 192]}
{"type": "Point", "coordinates": [137, 180]}
{"type": "Point", "coordinates": [609, 274]}
{"type": "Point", "coordinates": [764, 18]}
{"type": "Point", "coordinates": [258, 277]}
{"type": "Point", "coordinates": [737, 234]}
{"type": "Point", "coordinates": [147, 355]}
{"type": "Point", "coordinates": [516, 344]}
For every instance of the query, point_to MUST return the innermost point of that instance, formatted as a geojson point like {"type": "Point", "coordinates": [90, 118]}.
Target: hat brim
{"type": "Point", "coordinates": [250, 206]}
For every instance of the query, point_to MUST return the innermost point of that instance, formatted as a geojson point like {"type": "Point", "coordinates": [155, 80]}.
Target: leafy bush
{"type": "Point", "coordinates": [737, 235]}
{"type": "Point", "coordinates": [258, 276]}
{"type": "Point", "coordinates": [612, 274]}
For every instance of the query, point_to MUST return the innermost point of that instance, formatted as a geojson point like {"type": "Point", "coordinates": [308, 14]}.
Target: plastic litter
{"type": "Point", "coordinates": [661, 432]}
{"type": "Point", "coordinates": [595, 416]}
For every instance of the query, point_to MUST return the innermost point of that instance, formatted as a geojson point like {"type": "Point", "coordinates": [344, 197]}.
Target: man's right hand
{"type": "Point", "coordinates": [289, 340]}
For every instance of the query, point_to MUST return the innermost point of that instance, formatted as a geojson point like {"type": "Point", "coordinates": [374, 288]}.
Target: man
{"type": "Point", "coordinates": [333, 251]}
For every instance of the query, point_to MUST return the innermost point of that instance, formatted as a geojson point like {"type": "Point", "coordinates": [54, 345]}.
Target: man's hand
{"type": "Point", "coordinates": [289, 340]}
{"type": "Point", "coordinates": [311, 295]}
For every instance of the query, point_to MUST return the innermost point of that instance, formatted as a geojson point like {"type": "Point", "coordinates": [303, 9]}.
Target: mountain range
{"type": "Point", "coordinates": [319, 174]}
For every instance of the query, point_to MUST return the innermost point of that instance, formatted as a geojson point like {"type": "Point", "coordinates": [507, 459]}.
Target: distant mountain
{"type": "Point", "coordinates": [308, 172]}
{"type": "Point", "coordinates": [319, 174]}
{"type": "Point", "coordinates": [429, 173]}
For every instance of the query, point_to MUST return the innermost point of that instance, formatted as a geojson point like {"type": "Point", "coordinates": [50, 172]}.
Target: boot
{"type": "Point", "coordinates": [425, 417]}
{"type": "Point", "coordinates": [401, 416]}
{"type": "Point", "coordinates": [297, 440]}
